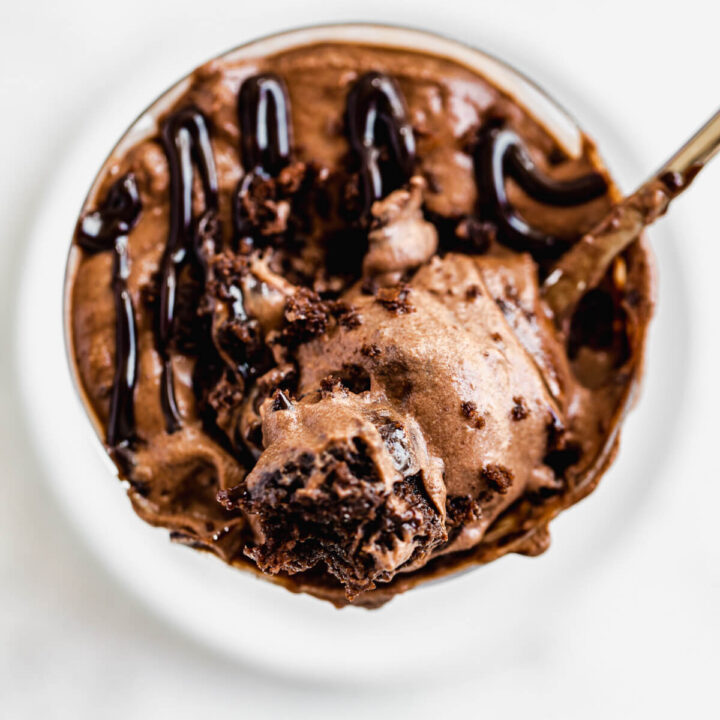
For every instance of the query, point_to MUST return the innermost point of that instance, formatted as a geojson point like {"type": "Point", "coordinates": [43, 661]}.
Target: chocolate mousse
{"type": "Point", "coordinates": [306, 314]}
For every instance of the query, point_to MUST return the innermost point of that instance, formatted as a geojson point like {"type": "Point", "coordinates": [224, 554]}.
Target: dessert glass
{"type": "Point", "coordinates": [554, 118]}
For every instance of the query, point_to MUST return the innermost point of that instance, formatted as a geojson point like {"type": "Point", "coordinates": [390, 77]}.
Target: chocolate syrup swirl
{"type": "Point", "coordinates": [264, 116]}
{"type": "Point", "coordinates": [107, 229]}
{"type": "Point", "coordinates": [186, 141]}
{"type": "Point", "coordinates": [380, 135]}
{"type": "Point", "coordinates": [501, 154]}
{"type": "Point", "coordinates": [265, 136]}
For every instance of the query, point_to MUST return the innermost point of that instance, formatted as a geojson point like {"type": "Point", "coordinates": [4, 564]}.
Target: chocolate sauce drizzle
{"type": "Point", "coordinates": [186, 141]}
{"type": "Point", "coordinates": [264, 116]}
{"type": "Point", "coordinates": [104, 229]}
{"type": "Point", "coordinates": [265, 136]}
{"type": "Point", "coordinates": [501, 154]}
{"type": "Point", "coordinates": [377, 126]}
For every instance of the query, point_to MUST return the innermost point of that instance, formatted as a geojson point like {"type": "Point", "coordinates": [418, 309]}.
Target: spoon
{"type": "Point", "coordinates": [585, 264]}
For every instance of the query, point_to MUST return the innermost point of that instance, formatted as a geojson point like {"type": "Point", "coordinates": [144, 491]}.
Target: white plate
{"type": "Point", "coordinates": [487, 614]}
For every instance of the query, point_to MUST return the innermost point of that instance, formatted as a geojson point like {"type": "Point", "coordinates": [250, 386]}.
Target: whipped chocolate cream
{"type": "Point", "coordinates": [306, 315]}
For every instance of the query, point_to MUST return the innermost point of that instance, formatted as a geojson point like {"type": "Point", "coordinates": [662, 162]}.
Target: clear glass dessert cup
{"type": "Point", "coordinates": [558, 122]}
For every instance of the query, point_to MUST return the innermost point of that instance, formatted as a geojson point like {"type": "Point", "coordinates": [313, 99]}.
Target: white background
{"type": "Point", "coordinates": [641, 635]}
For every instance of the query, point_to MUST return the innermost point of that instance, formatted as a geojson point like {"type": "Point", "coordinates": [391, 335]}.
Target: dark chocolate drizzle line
{"type": "Point", "coordinates": [107, 229]}
{"type": "Point", "coordinates": [265, 146]}
{"type": "Point", "coordinates": [265, 136]}
{"type": "Point", "coordinates": [186, 141]}
{"type": "Point", "coordinates": [377, 123]}
{"type": "Point", "coordinates": [264, 115]}
{"type": "Point", "coordinates": [263, 109]}
{"type": "Point", "coordinates": [501, 154]}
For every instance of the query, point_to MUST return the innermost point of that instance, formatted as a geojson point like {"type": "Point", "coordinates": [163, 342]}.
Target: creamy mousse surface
{"type": "Point", "coordinates": [306, 315]}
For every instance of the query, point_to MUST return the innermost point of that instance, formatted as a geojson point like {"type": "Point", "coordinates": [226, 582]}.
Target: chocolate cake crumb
{"type": "Point", "coordinates": [329, 384]}
{"type": "Point", "coordinates": [520, 410]}
{"type": "Point", "coordinates": [460, 510]}
{"type": "Point", "coordinates": [264, 204]}
{"type": "Point", "coordinates": [470, 411]}
{"type": "Point", "coordinates": [346, 315]}
{"type": "Point", "coordinates": [370, 350]}
{"type": "Point", "coordinates": [497, 477]}
{"type": "Point", "coordinates": [227, 270]}
{"type": "Point", "coordinates": [395, 299]}
{"type": "Point", "coordinates": [332, 509]}
{"type": "Point", "coordinates": [241, 341]}
{"type": "Point", "coordinates": [473, 292]}
{"type": "Point", "coordinates": [225, 396]}
{"type": "Point", "coordinates": [306, 317]}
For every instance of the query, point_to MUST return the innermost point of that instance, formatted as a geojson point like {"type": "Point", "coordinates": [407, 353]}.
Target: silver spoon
{"type": "Point", "coordinates": [585, 264]}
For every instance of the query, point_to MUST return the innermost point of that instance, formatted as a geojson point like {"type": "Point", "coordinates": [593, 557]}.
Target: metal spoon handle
{"type": "Point", "coordinates": [585, 264]}
{"type": "Point", "coordinates": [697, 151]}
